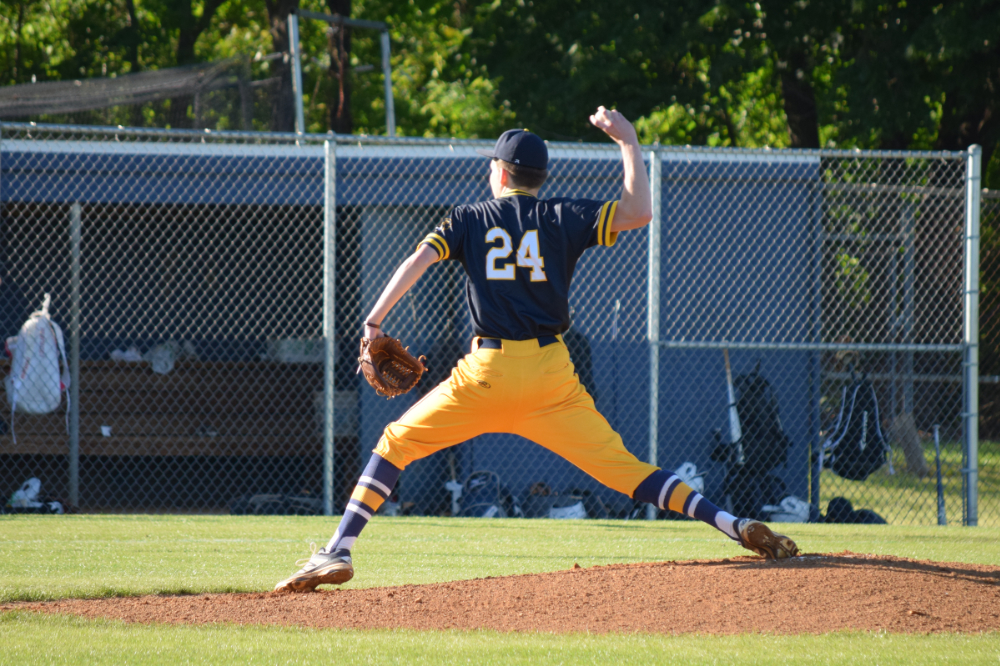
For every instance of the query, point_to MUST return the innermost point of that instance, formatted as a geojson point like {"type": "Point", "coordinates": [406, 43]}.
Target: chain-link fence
{"type": "Point", "coordinates": [178, 269]}
{"type": "Point", "coordinates": [989, 364]}
{"type": "Point", "coordinates": [200, 276]}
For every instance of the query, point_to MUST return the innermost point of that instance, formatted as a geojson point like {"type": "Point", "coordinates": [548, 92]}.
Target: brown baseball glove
{"type": "Point", "coordinates": [389, 367]}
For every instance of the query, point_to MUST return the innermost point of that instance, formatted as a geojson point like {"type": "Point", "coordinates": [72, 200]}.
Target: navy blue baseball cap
{"type": "Point", "coordinates": [519, 146]}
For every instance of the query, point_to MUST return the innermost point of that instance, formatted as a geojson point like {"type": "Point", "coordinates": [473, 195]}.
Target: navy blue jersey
{"type": "Point", "coordinates": [519, 254]}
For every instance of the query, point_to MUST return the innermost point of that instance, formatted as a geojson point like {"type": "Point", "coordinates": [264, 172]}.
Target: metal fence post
{"type": "Point", "coordinates": [329, 321]}
{"type": "Point", "coordinates": [296, 53]}
{"type": "Point", "coordinates": [653, 314]}
{"type": "Point", "coordinates": [970, 333]}
{"type": "Point", "coordinates": [816, 363]}
{"type": "Point", "coordinates": [390, 105]}
{"type": "Point", "coordinates": [74, 356]}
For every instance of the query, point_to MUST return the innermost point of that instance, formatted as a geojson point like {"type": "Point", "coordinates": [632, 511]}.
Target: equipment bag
{"type": "Point", "coordinates": [791, 509]}
{"type": "Point", "coordinates": [856, 447]}
{"type": "Point", "coordinates": [483, 496]}
{"type": "Point", "coordinates": [264, 504]}
{"type": "Point", "coordinates": [29, 499]}
{"type": "Point", "coordinates": [36, 380]}
{"type": "Point", "coordinates": [765, 444]}
{"type": "Point", "coordinates": [539, 500]}
{"type": "Point", "coordinates": [747, 493]}
{"type": "Point", "coordinates": [840, 510]}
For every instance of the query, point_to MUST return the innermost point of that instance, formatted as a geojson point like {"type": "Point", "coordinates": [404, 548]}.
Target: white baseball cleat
{"type": "Point", "coordinates": [320, 569]}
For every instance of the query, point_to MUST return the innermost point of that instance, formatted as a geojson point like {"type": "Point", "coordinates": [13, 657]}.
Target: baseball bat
{"type": "Point", "coordinates": [942, 516]}
{"type": "Point", "coordinates": [735, 431]}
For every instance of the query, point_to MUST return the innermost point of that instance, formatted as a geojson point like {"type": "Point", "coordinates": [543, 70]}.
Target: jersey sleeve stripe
{"type": "Point", "coordinates": [439, 246]}
{"type": "Point", "coordinates": [444, 244]}
{"type": "Point", "coordinates": [438, 243]}
{"type": "Point", "coordinates": [433, 245]}
{"type": "Point", "coordinates": [602, 219]}
{"type": "Point", "coordinates": [610, 236]}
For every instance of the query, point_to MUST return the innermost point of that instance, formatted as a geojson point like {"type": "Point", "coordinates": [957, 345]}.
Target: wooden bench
{"type": "Point", "coordinates": [200, 408]}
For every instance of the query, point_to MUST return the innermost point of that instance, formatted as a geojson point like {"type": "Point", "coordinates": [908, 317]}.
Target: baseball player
{"type": "Point", "coordinates": [519, 253]}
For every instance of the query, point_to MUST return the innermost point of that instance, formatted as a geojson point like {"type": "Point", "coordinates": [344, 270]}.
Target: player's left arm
{"type": "Point", "coordinates": [402, 280]}
{"type": "Point", "coordinates": [635, 209]}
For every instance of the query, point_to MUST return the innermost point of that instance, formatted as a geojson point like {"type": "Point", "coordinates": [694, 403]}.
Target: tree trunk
{"type": "Point", "coordinates": [17, 42]}
{"type": "Point", "coordinates": [186, 24]}
{"type": "Point", "coordinates": [283, 100]}
{"type": "Point", "coordinates": [971, 112]}
{"type": "Point", "coordinates": [134, 37]}
{"type": "Point", "coordinates": [962, 128]}
{"type": "Point", "coordinates": [340, 119]}
{"type": "Point", "coordinates": [800, 101]}
{"type": "Point", "coordinates": [190, 28]}
{"type": "Point", "coordinates": [185, 46]}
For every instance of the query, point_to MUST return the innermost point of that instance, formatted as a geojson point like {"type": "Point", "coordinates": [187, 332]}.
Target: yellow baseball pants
{"type": "Point", "coordinates": [522, 389]}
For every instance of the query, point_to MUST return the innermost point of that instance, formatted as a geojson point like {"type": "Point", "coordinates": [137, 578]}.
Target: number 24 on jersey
{"type": "Point", "coordinates": [528, 255]}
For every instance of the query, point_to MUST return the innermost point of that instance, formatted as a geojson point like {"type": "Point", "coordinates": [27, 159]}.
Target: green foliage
{"type": "Point", "coordinates": [70, 39]}
{"type": "Point", "coordinates": [440, 89]}
{"type": "Point", "coordinates": [747, 114]}
{"type": "Point", "coordinates": [915, 74]}
{"type": "Point", "coordinates": [557, 61]}
{"type": "Point", "coordinates": [852, 280]}
{"type": "Point", "coordinates": [464, 109]}
{"type": "Point", "coordinates": [240, 28]}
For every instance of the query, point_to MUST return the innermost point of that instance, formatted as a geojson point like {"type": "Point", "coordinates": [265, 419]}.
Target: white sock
{"type": "Point", "coordinates": [727, 523]}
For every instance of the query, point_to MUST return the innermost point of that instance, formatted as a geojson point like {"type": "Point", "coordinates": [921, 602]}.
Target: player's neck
{"type": "Point", "coordinates": [515, 191]}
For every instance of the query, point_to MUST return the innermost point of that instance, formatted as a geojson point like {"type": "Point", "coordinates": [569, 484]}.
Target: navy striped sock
{"type": "Point", "coordinates": [374, 487]}
{"type": "Point", "coordinates": [665, 489]}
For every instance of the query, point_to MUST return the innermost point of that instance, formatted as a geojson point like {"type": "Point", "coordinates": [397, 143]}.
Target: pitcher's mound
{"type": "Point", "coordinates": [809, 594]}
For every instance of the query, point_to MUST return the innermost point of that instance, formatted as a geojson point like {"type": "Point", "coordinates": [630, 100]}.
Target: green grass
{"type": "Point", "coordinates": [28, 638]}
{"type": "Point", "coordinates": [48, 557]}
{"type": "Point", "coordinates": [904, 499]}
{"type": "Point", "coordinates": [52, 557]}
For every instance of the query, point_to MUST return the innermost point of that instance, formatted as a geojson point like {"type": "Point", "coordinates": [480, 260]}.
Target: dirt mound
{"type": "Point", "coordinates": [810, 594]}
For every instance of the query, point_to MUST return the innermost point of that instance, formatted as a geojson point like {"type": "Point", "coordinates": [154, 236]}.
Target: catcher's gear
{"type": "Point", "coordinates": [389, 367]}
{"type": "Point", "coordinates": [758, 537]}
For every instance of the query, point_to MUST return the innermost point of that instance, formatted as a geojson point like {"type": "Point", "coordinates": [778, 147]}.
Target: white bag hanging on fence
{"type": "Point", "coordinates": [36, 380]}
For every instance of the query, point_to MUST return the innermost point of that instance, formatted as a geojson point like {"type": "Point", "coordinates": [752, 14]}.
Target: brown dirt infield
{"type": "Point", "coordinates": [809, 594]}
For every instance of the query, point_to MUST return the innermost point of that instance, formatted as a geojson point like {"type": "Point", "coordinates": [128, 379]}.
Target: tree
{"type": "Point", "coordinates": [283, 100]}
{"type": "Point", "coordinates": [801, 36]}
{"type": "Point", "coordinates": [190, 21]}
{"type": "Point", "coordinates": [341, 120]}
{"type": "Point", "coordinates": [696, 71]}
{"type": "Point", "coordinates": [439, 88]}
{"type": "Point", "coordinates": [556, 61]}
{"type": "Point", "coordinates": [896, 75]}
{"type": "Point", "coordinates": [960, 44]}
{"type": "Point", "coordinates": [18, 40]}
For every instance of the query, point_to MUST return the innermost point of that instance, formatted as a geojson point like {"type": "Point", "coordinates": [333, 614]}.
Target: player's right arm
{"type": "Point", "coordinates": [442, 243]}
{"type": "Point", "coordinates": [635, 209]}
{"type": "Point", "coordinates": [402, 280]}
